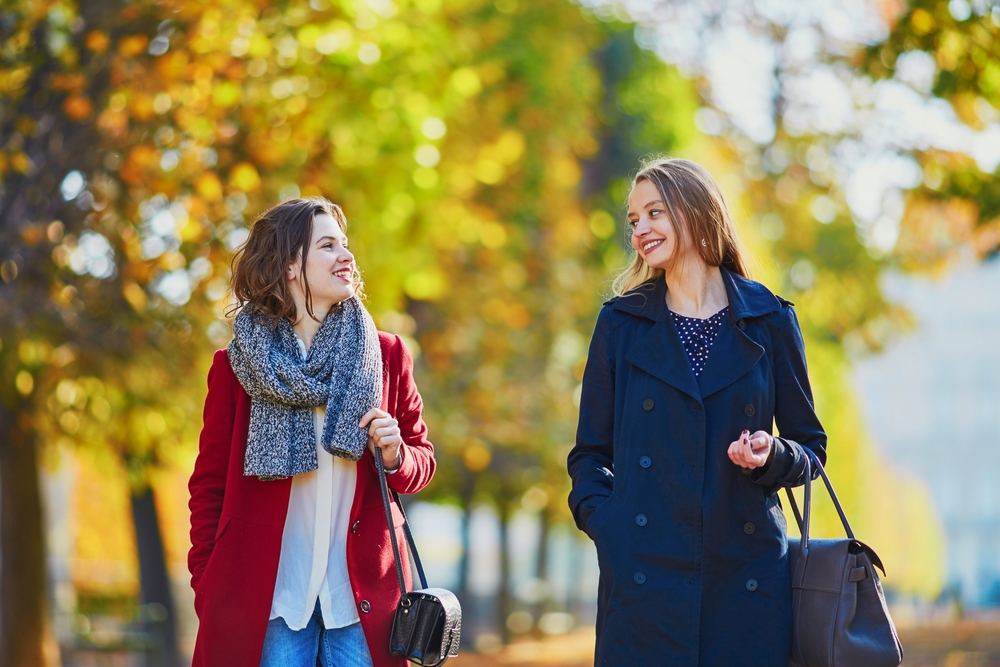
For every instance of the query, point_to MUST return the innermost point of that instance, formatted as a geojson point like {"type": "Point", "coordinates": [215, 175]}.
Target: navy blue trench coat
{"type": "Point", "coordinates": [692, 548]}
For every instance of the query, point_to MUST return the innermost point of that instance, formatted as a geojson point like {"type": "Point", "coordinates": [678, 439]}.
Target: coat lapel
{"type": "Point", "coordinates": [734, 353]}
{"type": "Point", "coordinates": [659, 352]}
{"type": "Point", "coordinates": [732, 356]}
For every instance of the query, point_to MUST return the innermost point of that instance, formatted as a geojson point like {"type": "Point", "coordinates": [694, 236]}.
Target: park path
{"type": "Point", "coordinates": [959, 644]}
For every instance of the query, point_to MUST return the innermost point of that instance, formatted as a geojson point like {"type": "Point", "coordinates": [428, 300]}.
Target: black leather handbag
{"type": "Point", "coordinates": [427, 626]}
{"type": "Point", "coordinates": [839, 615]}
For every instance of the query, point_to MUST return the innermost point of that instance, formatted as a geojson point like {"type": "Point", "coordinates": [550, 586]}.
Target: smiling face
{"type": "Point", "coordinates": [329, 268]}
{"type": "Point", "coordinates": [654, 237]}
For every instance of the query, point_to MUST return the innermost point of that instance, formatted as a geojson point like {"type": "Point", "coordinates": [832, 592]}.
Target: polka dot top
{"type": "Point", "coordinates": [697, 336]}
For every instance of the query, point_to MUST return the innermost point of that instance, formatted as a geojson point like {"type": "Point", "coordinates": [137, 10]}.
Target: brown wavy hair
{"type": "Point", "coordinates": [695, 201]}
{"type": "Point", "coordinates": [278, 237]}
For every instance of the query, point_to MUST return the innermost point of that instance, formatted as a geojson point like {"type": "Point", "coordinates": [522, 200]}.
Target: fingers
{"type": "Point", "coordinates": [384, 432]}
{"type": "Point", "coordinates": [750, 452]}
{"type": "Point", "coordinates": [374, 413]}
{"type": "Point", "coordinates": [760, 442]}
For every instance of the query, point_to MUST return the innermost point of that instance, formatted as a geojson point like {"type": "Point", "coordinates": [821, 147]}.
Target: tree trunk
{"type": "Point", "coordinates": [466, 491]}
{"type": "Point", "coordinates": [159, 613]}
{"type": "Point", "coordinates": [25, 639]}
{"type": "Point", "coordinates": [504, 597]}
{"type": "Point", "coordinates": [544, 603]}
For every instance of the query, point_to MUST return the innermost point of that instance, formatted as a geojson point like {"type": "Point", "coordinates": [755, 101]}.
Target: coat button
{"type": "Point", "coordinates": [742, 325]}
{"type": "Point", "coordinates": [749, 410]}
{"type": "Point", "coordinates": [645, 461]}
{"type": "Point", "coordinates": [752, 585]}
{"type": "Point", "coordinates": [354, 526]}
{"type": "Point", "coordinates": [749, 528]}
{"type": "Point", "coordinates": [640, 519]}
{"type": "Point", "coordinates": [367, 607]}
{"type": "Point", "coordinates": [647, 405]}
{"type": "Point", "coordinates": [639, 578]}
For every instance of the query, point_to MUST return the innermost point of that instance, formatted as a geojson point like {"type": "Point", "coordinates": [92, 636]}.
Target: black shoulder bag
{"type": "Point", "coordinates": [839, 615]}
{"type": "Point", "coordinates": [428, 623]}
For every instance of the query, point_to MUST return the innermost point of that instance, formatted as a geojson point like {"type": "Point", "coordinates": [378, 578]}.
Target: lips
{"type": "Point", "coordinates": [651, 245]}
{"type": "Point", "coordinates": [345, 274]}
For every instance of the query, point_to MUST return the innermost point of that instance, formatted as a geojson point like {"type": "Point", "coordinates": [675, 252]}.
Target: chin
{"type": "Point", "coordinates": [344, 294]}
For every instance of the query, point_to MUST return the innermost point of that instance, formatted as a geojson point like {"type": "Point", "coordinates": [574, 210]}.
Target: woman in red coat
{"type": "Point", "coordinates": [291, 559]}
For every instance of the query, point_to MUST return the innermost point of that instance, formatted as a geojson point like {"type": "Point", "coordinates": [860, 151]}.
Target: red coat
{"type": "Point", "coordinates": [237, 521]}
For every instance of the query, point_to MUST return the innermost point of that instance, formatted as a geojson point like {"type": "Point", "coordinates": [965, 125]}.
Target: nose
{"type": "Point", "coordinates": [641, 227]}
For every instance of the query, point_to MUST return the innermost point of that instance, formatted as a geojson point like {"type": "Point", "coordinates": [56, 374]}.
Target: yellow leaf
{"type": "Point", "coordinates": [308, 35]}
{"type": "Point", "coordinates": [24, 382]}
{"type": "Point", "coordinates": [13, 79]}
{"type": "Point", "coordinates": [209, 186]}
{"type": "Point", "coordinates": [97, 41]}
{"type": "Point", "coordinates": [566, 171]}
{"type": "Point", "coordinates": [493, 235]}
{"type": "Point", "coordinates": [244, 177]}
{"type": "Point", "coordinates": [922, 21]}
{"type": "Point", "coordinates": [510, 147]}
{"type": "Point", "coordinates": [132, 45]}
{"type": "Point", "coordinates": [20, 162]}
{"type": "Point", "coordinates": [476, 457]}
{"type": "Point", "coordinates": [78, 107]}
{"type": "Point", "coordinates": [426, 285]}
{"type": "Point", "coordinates": [465, 82]}
{"type": "Point", "coordinates": [135, 296]}
{"type": "Point", "coordinates": [226, 94]}
{"type": "Point", "coordinates": [602, 225]}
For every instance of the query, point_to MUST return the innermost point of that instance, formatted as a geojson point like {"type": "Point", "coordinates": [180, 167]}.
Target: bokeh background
{"type": "Point", "coordinates": [482, 152]}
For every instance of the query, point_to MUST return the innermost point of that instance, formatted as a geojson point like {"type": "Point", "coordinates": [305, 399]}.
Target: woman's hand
{"type": "Point", "coordinates": [751, 451]}
{"type": "Point", "coordinates": [383, 432]}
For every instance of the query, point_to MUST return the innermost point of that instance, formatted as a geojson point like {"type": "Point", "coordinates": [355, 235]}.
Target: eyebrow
{"type": "Point", "coordinates": [331, 238]}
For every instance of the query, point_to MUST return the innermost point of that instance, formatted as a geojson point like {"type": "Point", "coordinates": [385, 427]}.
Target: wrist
{"type": "Point", "coordinates": [393, 465]}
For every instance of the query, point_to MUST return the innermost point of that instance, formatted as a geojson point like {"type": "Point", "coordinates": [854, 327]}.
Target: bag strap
{"type": "Point", "coordinates": [812, 458]}
{"type": "Point", "coordinates": [397, 559]}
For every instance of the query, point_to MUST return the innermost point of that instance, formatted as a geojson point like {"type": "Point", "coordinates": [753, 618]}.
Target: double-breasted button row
{"type": "Point", "coordinates": [639, 578]}
{"type": "Point", "coordinates": [645, 461]}
{"type": "Point", "coordinates": [742, 324]}
{"type": "Point", "coordinates": [647, 405]}
{"type": "Point", "coordinates": [640, 519]}
{"type": "Point", "coordinates": [749, 528]}
{"type": "Point", "coordinates": [751, 585]}
{"type": "Point", "coordinates": [749, 410]}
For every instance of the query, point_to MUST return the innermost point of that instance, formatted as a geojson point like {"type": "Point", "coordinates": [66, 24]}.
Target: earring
{"type": "Point", "coordinates": [703, 242]}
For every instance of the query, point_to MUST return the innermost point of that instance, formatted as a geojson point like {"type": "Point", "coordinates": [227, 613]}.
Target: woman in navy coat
{"type": "Point", "coordinates": [675, 471]}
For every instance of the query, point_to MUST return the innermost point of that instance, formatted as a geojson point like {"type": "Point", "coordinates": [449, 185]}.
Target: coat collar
{"type": "Point", "coordinates": [747, 298]}
{"type": "Point", "coordinates": [660, 353]}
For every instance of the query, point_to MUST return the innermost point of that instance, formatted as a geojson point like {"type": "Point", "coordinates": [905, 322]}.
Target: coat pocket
{"type": "Point", "coordinates": [599, 517]}
{"type": "Point", "coordinates": [223, 525]}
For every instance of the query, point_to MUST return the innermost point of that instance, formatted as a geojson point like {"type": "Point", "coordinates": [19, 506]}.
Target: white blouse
{"type": "Point", "coordinates": [313, 562]}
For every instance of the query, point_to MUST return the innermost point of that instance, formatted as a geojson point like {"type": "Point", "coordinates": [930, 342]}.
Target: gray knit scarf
{"type": "Point", "coordinates": [342, 370]}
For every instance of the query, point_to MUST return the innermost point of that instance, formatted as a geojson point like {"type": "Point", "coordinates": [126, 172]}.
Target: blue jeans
{"type": "Point", "coordinates": [340, 647]}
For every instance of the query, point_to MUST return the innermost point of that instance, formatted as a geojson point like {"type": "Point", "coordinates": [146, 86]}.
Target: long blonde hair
{"type": "Point", "coordinates": [694, 200]}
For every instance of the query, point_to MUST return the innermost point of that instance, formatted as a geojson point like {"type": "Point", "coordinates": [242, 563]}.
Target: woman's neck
{"type": "Point", "coordinates": [306, 329]}
{"type": "Point", "coordinates": [695, 289]}
{"type": "Point", "coordinates": [306, 326]}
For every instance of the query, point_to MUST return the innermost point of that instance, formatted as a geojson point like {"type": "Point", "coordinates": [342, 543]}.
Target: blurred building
{"type": "Point", "coordinates": [932, 401]}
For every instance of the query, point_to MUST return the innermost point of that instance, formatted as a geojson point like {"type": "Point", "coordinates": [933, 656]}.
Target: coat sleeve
{"type": "Point", "coordinates": [208, 481]}
{"type": "Point", "coordinates": [591, 461]}
{"type": "Point", "coordinates": [417, 466]}
{"type": "Point", "coordinates": [794, 410]}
